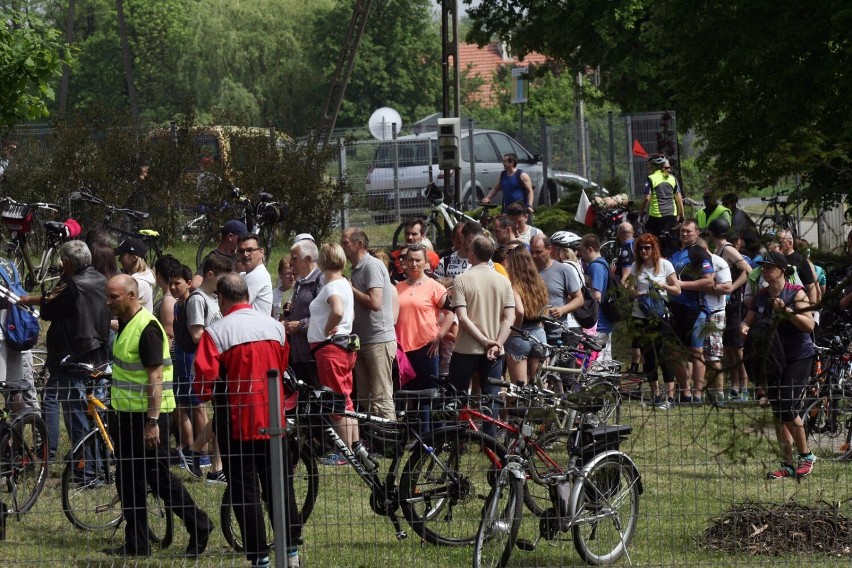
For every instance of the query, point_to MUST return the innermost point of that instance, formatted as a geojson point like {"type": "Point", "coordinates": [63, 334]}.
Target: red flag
{"type": "Point", "coordinates": [638, 150]}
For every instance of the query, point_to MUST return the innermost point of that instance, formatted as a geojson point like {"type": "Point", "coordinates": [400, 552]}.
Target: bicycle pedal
{"type": "Point", "coordinates": [525, 545]}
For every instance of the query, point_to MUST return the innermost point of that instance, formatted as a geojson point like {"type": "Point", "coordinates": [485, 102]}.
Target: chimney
{"type": "Point", "coordinates": [505, 54]}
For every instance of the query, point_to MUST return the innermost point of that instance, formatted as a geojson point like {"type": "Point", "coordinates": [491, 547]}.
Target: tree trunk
{"type": "Point", "coordinates": [66, 69]}
{"type": "Point", "coordinates": [127, 60]}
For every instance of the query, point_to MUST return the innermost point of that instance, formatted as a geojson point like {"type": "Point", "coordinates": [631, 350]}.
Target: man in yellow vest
{"type": "Point", "coordinates": [712, 210]}
{"type": "Point", "coordinates": [142, 398]}
{"type": "Point", "coordinates": [663, 199]}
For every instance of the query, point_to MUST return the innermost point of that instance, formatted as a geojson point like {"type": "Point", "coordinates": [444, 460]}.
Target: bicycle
{"type": "Point", "coordinates": [35, 252]}
{"type": "Point", "coordinates": [89, 493]}
{"type": "Point", "coordinates": [440, 489]}
{"type": "Point", "coordinates": [597, 484]}
{"type": "Point", "coordinates": [442, 218]}
{"type": "Point", "coordinates": [778, 220]}
{"type": "Point", "coordinates": [261, 219]}
{"type": "Point", "coordinates": [827, 400]}
{"type": "Point", "coordinates": [23, 456]}
{"type": "Point", "coordinates": [134, 218]}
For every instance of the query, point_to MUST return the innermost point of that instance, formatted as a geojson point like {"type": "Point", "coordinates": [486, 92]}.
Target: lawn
{"type": "Point", "coordinates": [695, 464]}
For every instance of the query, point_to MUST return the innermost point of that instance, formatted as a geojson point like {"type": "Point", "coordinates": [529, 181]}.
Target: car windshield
{"type": "Point", "coordinates": [411, 153]}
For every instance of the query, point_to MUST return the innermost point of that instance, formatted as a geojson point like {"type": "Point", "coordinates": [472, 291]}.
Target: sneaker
{"type": "Point", "coordinates": [216, 478]}
{"type": "Point", "coordinates": [785, 471]}
{"type": "Point", "coordinates": [744, 395]}
{"type": "Point", "coordinates": [665, 404]}
{"type": "Point", "coordinates": [203, 459]}
{"type": "Point", "coordinates": [733, 395]}
{"type": "Point", "coordinates": [261, 562]}
{"type": "Point", "coordinates": [195, 466]}
{"type": "Point", "coordinates": [697, 400]}
{"type": "Point", "coordinates": [184, 457]}
{"type": "Point", "coordinates": [333, 459]}
{"type": "Point", "coordinates": [806, 465]}
{"type": "Point", "coordinates": [685, 400]}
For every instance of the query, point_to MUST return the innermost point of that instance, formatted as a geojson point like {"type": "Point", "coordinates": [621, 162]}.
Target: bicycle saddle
{"type": "Point", "coordinates": [264, 197]}
{"type": "Point", "coordinates": [55, 227]}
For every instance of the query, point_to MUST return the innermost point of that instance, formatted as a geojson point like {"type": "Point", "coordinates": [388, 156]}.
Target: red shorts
{"type": "Point", "coordinates": [334, 366]}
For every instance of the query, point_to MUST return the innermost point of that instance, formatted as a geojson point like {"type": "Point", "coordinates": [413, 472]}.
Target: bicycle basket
{"type": "Point", "coordinates": [17, 217]}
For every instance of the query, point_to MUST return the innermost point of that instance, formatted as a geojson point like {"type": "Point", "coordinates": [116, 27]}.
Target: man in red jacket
{"type": "Point", "coordinates": [231, 363]}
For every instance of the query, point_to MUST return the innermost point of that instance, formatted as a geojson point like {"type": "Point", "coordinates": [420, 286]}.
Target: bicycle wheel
{"type": "Point", "coordinates": [827, 425]}
{"type": "Point", "coordinates": [609, 250]}
{"type": "Point", "coordinates": [768, 227]}
{"type": "Point", "coordinates": [552, 450]}
{"type": "Point", "coordinates": [501, 520]}
{"type": "Point", "coordinates": [208, 243]}
{"type": "Point", "coordinates": [89, 494]}
{"type": "Point", "coordinates": [160, 522]}
{"type": "Point", "coordinates": [306, 483]}
{"type": "Point", "coordinates": [606, 509]}
{"type": "Point", "coordinates": [23, 465]}
{"type": "Point", "coordinates": [446, 482]}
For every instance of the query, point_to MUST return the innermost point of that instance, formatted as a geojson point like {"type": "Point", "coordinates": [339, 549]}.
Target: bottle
{"type": "Point", "coordinates": [364, 456]}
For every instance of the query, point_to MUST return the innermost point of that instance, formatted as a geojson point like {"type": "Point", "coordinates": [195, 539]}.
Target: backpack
{"type": "Point", "coordinates": [609, 303]}
{"type": "Point", "coordinates": [587, 314]}
{"type": "Point", "coordinates": [21, 327]}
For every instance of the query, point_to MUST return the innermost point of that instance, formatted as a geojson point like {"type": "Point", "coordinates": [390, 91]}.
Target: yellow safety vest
{"type": "Point", "coordinates": [129, 378]}
{"type": "Point", "coordinates": [703, 220]}
{"type": "Point", "coordinates": [662, 186]}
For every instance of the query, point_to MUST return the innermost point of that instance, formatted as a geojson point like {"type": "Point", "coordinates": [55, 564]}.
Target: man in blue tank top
{"type": "Point", "coordinates": [515, 184]}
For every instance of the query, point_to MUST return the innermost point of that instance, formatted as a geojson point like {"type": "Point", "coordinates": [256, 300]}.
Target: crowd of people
{"type": "Point", "coordinates": [703, 308]}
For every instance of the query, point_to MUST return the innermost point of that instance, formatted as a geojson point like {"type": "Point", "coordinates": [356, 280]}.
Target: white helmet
{"type": "Point", "coordinates": [565, 239]}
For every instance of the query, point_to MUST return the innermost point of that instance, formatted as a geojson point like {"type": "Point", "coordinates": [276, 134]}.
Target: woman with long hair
{"type": "Point", "coordinates": [522, 356]}
{"type": "Point", "coordinates": [651, 280]}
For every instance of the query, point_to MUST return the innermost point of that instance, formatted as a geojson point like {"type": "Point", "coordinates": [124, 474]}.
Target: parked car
{"type": "Point", "coordinates": [418, 153]}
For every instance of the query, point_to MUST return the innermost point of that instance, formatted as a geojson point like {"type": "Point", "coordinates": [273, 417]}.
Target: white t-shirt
{"type": "Point", "coordinates": [527, 235]}
{"type": "Point", "coordinates": [647, 275]}
{"type": "Point", "coordinates": [260, 289]}
{"type": "Point", "coordinates": [145, 281]}
{"type": "Point", "coordinates": [321, 310]}
{"type": "Point", "coordinates": [721, 274]}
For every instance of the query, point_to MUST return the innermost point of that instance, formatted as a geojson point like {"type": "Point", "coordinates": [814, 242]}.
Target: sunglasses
{"type": "Point", "coordinates": [645, 247]}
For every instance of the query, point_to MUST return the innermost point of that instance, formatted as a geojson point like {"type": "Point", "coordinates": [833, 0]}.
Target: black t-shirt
{"type": "Point", "coordinates": [803, 268]}
{"type": "Point", "coordinates": [150, 344]}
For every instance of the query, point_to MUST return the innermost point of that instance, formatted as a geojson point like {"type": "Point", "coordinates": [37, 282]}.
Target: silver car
{"type": "Point", "coordinates": [418, 153]}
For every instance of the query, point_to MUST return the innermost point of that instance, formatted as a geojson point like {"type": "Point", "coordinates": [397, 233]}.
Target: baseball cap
{"type": "Point", "coordinates": [132, 246]}
{"type": "Point", "coordinates": [236, 227]}
{"type": "Point", "coordinates": [774, 258]}
{"type": "Point", "coordinates": [304, 237]}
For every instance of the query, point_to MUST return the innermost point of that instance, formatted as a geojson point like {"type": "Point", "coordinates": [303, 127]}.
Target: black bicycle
{"type": "Point", "coordinates": [775, 217]}
{"type": "Point", "coordinates": [23, 457]}
{"type": "Point", "coordinates": [261, 218]}
{"type": "Point", "coordinates": [132, 225]}
{"type": "Point", "coordinates": [441, 489]}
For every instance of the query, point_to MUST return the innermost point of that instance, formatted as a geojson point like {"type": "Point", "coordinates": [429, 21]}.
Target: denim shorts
{"type": "Point", "coordinates": [184, 375]}
{"type": "Point", "coordinates": [519, 348]}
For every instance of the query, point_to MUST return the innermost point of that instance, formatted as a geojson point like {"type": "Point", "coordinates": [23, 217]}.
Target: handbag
{"type": "Point", "coordinates": [349, 341]}
{"type": "Point", "coordinates": [406, 370]}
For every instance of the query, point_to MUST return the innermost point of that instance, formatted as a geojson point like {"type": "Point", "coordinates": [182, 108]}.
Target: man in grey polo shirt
{"type": "Point", "coordinates": [373, 324]}
{"type": "Point", "coordinates": [563, 285]}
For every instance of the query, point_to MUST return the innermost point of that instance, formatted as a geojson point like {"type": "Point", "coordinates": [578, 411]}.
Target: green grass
{"type": "Point", "coordinates": [695, 464]}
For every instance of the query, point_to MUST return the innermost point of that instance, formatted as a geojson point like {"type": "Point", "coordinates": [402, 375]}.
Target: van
{"type": "Point", "coordinates": [417, 154]}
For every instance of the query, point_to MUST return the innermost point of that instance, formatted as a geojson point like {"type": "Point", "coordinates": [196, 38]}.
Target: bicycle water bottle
{"type": "Point", "coordinates": [364, 456]}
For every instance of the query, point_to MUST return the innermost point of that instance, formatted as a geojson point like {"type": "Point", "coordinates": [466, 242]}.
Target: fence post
{"type": "Point", "coordinates": [545, 165]}
{"type": "Point", "coordinates": [396, 172]}
{"type": "Point", "coordinates": [611, 145]}
{"type": "Point", "coordinates": [472, 196]}
{"type": "Point", "coordinates": [341, 173]}
{"type": "Point", "coordinates": [628, 125]}
{"type": "Point", "coordinates": [276, 432]}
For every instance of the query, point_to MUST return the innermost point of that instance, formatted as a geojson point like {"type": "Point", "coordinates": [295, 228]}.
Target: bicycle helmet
{"type": "Point", "coordinates": [657, 159]}
{"type": "Point", "coordinates": [719, 227]}
{"type": "Point", "coordinates": [565, 239]}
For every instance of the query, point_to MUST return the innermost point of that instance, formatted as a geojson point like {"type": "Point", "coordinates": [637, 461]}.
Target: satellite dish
{"type": "Point", "coordinates": [381, 123]}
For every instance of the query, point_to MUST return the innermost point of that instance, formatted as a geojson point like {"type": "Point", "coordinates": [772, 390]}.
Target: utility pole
{"type": "Point", "coordinates": [451, 83]}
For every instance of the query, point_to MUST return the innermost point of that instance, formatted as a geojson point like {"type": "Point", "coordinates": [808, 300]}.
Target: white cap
{"type": "Point", "coordinates": [304, 237]}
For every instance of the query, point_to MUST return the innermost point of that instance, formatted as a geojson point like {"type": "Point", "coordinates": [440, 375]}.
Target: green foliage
{"type": "Point", "coordinates": [769, 101]}
{"type": "Point", "coordinates": [93, 152]}
{"type": "Point", "coordinates": [31, 57]}
{"type": "Point", "coordinates": [398, 63]}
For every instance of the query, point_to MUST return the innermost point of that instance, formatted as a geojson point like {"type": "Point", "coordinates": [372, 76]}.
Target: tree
{"type": "Point", "coordinates": [30, 59]}
{"type": "Point", "coordinates": [765, 84]}
{"type": "Point", "coordinates": [398, 63]}
{"type": "Point", "coordinates": [127, 60]}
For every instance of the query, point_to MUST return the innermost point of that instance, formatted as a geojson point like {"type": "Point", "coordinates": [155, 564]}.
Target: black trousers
{"type": "Point", "coordinates": [139, 468]}
{"type": "Point", "coordinates": [248, 469]}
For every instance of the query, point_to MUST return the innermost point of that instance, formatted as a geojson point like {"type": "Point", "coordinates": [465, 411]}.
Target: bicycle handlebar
{"type": "Point", "coordinates": [94, 372]}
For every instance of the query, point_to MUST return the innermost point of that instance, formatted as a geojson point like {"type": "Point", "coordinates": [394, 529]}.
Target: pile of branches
{"type": "Point", "coordinates": [773, 530]}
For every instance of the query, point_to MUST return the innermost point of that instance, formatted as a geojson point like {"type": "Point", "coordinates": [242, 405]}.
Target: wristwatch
{"type": "Point", "coordinates": [151, 421]}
